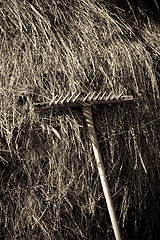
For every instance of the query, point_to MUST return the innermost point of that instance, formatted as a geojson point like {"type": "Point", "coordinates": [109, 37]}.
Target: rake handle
{"type": "Point", "coordinates": [87, 113]}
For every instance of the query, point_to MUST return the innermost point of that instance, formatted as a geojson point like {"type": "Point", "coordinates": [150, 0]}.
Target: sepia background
{"type": "Point", "coordinates": [50, 188]}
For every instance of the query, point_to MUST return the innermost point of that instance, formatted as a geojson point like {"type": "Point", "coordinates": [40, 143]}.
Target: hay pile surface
{"type": "Point", "coordinates": [50, 188]}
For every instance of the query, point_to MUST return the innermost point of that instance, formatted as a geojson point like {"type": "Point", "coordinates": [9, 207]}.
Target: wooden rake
{"type": "Point", "coordinates": [74, 101]}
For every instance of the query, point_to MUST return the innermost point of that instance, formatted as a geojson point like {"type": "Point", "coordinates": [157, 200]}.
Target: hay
{"type": "Point", "coordinates": [49, 182]}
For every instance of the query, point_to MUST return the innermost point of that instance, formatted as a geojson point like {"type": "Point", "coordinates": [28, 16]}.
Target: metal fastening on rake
{"type": "Point", "coordinates": [73, 101]}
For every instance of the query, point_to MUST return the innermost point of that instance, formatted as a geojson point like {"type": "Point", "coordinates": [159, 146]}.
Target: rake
{"type": "Point", "coordinates": [91, 99]}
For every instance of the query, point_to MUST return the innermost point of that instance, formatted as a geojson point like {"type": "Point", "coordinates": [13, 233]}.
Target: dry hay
{"type": "Point", "coordinates": [50, 188]}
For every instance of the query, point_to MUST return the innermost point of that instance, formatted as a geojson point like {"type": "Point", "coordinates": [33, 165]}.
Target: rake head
{"type": "Point", "coordinates": [76, 100]}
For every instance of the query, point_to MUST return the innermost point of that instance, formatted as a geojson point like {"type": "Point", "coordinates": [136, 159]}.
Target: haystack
{"type": "Point", "coordinates": [50, 188]}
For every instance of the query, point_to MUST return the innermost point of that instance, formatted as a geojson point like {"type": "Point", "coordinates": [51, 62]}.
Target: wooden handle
{"type": "Point", "coordinates": [87, 113]}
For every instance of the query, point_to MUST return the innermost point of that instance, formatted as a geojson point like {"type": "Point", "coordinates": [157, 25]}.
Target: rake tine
{"type": "Point", "coordinates": [101, 98]}
{"type": "Point", "coordinates": [108, 97]}
{"type": "Point", "coordinates": [76, 97]}
{"type": "Point", "coordinates": [119, 96]}
{"type": "Point", "coordinates": [53, 99]}
{"type": "Point", "coordinates": [96, 97]}
{"type": "Point", "coordinates": [116, 97]}
{"type": "Point", "coordinates": [65, 98]}
{"type": "Point", "coordinates": [58, 100]}
{"type": "Point", "coordinates": [70, 98]}
{"type": "Point", "coordinates": [113, 97]}
{"type": "Point", "coordinates": [85, 98]}
{"type": "Point", "coordinates": [91, 97]}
